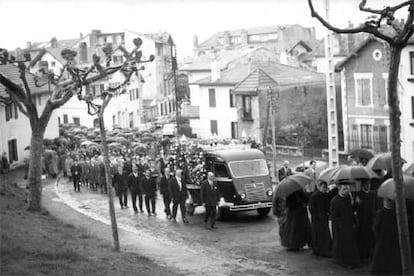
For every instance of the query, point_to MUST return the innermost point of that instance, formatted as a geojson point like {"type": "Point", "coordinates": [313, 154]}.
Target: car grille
{"type": "Point", "coordinates": [255, 191]}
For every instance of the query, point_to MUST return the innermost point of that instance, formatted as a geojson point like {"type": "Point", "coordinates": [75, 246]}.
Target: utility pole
{"type": "Point", "coordinates": [174, 72]}
{"type": "Point", "coordinates": [274, 97]}
{"type": "Point", "coordinates": [331, 96]}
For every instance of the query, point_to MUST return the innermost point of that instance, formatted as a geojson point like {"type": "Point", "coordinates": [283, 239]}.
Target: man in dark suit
{"type": "Point", "coordinates": [285, 171]}
{"type": "Point", "coordinates": [178, 193]}
{"type": "Point", "coordinates": [209, 198]}
{"type": "Point", "coordinates": [134, 185]}
{"type": "Point", "coordinates": [76, 171]}
{"type": "Point", "coordinates": [119, 183]}
{"type": "Point", "coordinates": [164, 183]}
{"type": "Point", "coordinates": [149, 189]}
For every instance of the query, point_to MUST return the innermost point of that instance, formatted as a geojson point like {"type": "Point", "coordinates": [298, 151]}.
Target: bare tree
{"type": "Point", "coordinates": [397, 40]}
{"type": "Point", "coordinates": [97, 105]}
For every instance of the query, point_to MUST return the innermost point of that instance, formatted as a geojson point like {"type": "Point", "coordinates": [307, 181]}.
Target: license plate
{"type": "Point", "coordinates": [260, 205]}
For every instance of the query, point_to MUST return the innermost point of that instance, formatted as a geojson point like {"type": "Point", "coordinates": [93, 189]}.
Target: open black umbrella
{"type": "Point", "coordinates": [382, 161]}
{"type": "Point", "coordinates": [291, 184]}
{"type": "Point", "coordinates": [353, 172]}
{"type": "Point", "coordinates": [361, 153]}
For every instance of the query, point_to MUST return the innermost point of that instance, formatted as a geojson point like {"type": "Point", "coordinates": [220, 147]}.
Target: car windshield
{"type": "Point", "coordinates": [246, 168]}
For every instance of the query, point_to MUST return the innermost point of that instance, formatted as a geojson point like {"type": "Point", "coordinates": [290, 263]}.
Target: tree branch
{"type": "Point", "coordinates": [5, 100]}
{"type": "Point", "coordinates": [366, 28]}
{"type": "Point", "coordinates": [408, 28]}
{"type": "Point", "coordinates": [13, 88]}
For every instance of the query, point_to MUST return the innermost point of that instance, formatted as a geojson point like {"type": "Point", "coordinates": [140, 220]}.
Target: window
{"type": "Point", "coordinates": [257, 167]}
{"type": "Point", "coordinates": [13, 150]}
{"type": "Point", "coordinates": [136, 93]}
{"type": "Point", "coordinates": [130, 95]}
{"type": "Point", "coordinates": [93, 90]}
{"type": "Point", "coordinates": [234, 130]}
{"type": "Point", "coordinates": [76, 121]}
{"type": "Point", "coordinates": [131, 119]}
{"type": "Point", "coordinates": [102, 88]}
{"type": "Point", "coordinates": [53, 64]}
{"type": "Point", "coordinates": [113, 120]}
{"type": "Point", "coordinates": [412, 63]}
{"type": "Point", "coordinates": [247, 108]}
{"type": "Point", "coordinates": [212, 97]}
{"type": "Point", "coordinates": [232, 103]}
{"type": "Point", "coordinates": [65, 118]}
{"type": "Point", "coordinates": [96, 122]}
{"type": "Point", "coordinates": [213, 127]}
{"type": "Point", "coordinates": [220, 170]}
{"type": "Point", "coordinates": [39, 100]}
{"type": "Point", "coordinates": [169, 107]}
{"type": "Point", "coordinates": [366, 136]}
{"type": "Point", "coordinates": [412, 107]}
{"type": "Point", "coordinates": [383, 139]}
{"type": "Point", "coordinates": [363, 91]}
{"type": "Point", "coordinates": [11, 111]}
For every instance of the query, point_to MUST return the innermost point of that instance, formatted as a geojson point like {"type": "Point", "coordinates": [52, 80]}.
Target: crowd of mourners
{"type": "Point", "coordinates": [345, 221]}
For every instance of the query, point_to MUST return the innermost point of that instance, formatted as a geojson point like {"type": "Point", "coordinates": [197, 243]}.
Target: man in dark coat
{"type": "Point", "coordinates": [165, 179]}
{"type": "Point", "coordinates": [127, 167]}
{"type": "Point", "coordinates": [209, 198]}
{"type": "Point", "coordinates": [319, 210]}
{"type": "Point", "coordinates": [387, 256]}
{"type": "Point", "coordinates": [297, 225]}
{"type": "Point", "coordinates": [76, 171]}
{"type": "Point", "coordinates": [178, 193]}
{"type": "Point", "coordinates": [119, 183]}
{"type": "Point", "coordinates": [345, 248]}
{"type": "Point", "coordinates": [149, 189]}
{"type": "Point", "coordinates": [285, 171]}
{"type": "Point", "coordinates": [365, 205]}
{"type": "Point", "coordinates": [134, 185]}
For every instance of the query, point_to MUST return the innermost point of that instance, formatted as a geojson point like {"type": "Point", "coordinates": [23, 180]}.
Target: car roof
{"type": "Point", "coordinates": [236, 154]}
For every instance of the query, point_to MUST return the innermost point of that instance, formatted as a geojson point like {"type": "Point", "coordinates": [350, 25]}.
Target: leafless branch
{"type": "Point", "coordinates": [5, 100]}
{"type": "Point", "coordinates": [408, 28]}
{"type": "Point", "coordinates": [13, 88]}
{"type": "Point", "coordinates": [366, 28]}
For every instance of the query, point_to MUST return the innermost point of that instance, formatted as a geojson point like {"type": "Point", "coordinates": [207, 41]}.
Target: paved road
{"type": "Point", "coordinates": [245, 244]}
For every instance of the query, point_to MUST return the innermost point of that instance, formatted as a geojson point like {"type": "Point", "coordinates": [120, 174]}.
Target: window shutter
{"type": "Point", "coordinates": [366, 93]}
{"type": "Point", "coordinates": [15, 157]}
{"type": "Point", "coordinates": [212, 97]}
{"type": "Point", "coordinates": [7, 109]}
{"type": "Point", "coordinates": [16, 115]}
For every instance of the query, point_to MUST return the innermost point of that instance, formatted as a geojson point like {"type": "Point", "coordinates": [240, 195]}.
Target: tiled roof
{"type": "Point", "coordinates": [223, 57]}
{"type": "Point", "coordinates": [283, 75]}
{"type": "Point", "coordinates": [62, 43]}
{"type": "Point", "coordinates": [11, 72]}
{"type": "Point", "coordinates": [257, 80]}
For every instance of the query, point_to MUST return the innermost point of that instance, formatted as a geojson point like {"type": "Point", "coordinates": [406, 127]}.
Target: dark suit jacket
{"type": "Point", "coordinates": [149, 187]}
{"type": "Point", "coordinates": [76, 171]}
{"type": "Point", "coordinates": [174, 190]}
{"type": "Point", "coordinates": [164, 183]}
{"type": "Point", "coordinates": [119, 182]}
{"type": "Point", "coordinates": [209, 195]}
{"type": "Point", "coordinates": [283, 173]}
{"type": "Point", "coordinates": [134, 184]}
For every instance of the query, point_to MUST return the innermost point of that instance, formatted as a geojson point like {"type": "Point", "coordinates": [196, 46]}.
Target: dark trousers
{"type": "Point", "coordinates": [210, 213]}
{"type": "Point", "coordinates": [175, 207]}
{"type": "Point", "coordinates": [123, 199]}
{"type": "Point", "coordinates": [149, 199]}
{"type": "Point", "coordinates": [167, 202]}
{"type": "Point", "coordinates": [134, 200]}
{"type": "Point", "coordinates": [76, 182]}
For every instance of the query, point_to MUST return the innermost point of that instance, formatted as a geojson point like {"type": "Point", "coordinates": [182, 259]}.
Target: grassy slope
{"type": "Point", "coordinates": [39, 244]}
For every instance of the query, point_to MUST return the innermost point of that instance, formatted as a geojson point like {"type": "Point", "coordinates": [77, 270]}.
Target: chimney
{"type": "Point", "coordinates": [93, 37]}
{"type": "Point", "coordinates": [53, 42]}
{"type": "Point", "coordinates": [284, 58]}
{"type": "Point", "coordinates": [312, 33]}
{"type": "Point", "coordinates": [351, 39]}
{"type": "Point", "coordinates": [81, 35]}
{"type": "Point", "coordinates": [215, 69]}
{"type": "Point", "coordinates": [29, 45]}
{"type": "Point", "coordinates": [195, 42]}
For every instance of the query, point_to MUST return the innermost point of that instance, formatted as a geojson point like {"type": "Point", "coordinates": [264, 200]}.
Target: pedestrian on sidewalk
{"type": "Point", "coordinates": [4, 168]}
{"type": "Point", "coordinates": [134, 185]}
{"type": "Point", "coordinates": [209, 198]}
{"type": "Point", "coordinates": [119, 183]}
{"type": "Point", "coordinates": [76, 171]}
{"type": "Point", "coordinates": [149, 189]}
{"type": "Point", "coordinates": [164, 183]}
{"type": "Point", "coordinates": [178, 193]}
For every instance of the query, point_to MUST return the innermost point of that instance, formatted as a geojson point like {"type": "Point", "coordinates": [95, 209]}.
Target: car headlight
{"type": "Point", "coordinates": [269, 193]}
{"type": "Point", "coordinates": [243, 195]}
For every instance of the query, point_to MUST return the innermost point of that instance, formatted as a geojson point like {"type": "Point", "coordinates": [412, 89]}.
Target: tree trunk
{"type": "Point", "coordinates": [395, 129]}
{"type": "Point", "coordinates": [108, 180]}
{"type": "Point", "coordinates": [35, 167]}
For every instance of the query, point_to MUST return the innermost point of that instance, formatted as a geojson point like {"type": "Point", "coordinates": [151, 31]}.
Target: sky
{"type": "Point", "coordinates": [40, 20]}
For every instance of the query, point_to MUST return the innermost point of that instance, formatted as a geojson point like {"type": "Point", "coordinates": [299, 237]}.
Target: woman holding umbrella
{"type": "Point", "coordinates": [296, 228]}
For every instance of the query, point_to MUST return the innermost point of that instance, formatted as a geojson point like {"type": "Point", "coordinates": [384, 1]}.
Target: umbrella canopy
{"type": "Point", "coordinates": [147, 139]}
{"type": "Point", "coordinates": [327, 174]}
{"type": "Point", "coordinates": [409, 170]}
{"type": "Point", "coordinates": [115, 146]}
{"type": "Point", "coordinates": [353, 172]}
{"type": "Point", "coordinates": [291, 184]}
{"type": "Point", "coordinates": [87, 143]}
{"type": "Point", "coordinates": [121, 140]}
{"type": "Point", "coordinates": [382, 161]}
{"type": "Point", "coordinates": [387, 189]}
{"type": "Point", "coordinates": [361, 153]}
{"type": "Point", "coordinates": [139, 149]}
